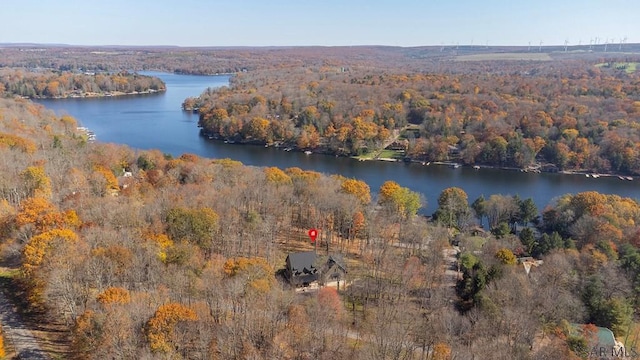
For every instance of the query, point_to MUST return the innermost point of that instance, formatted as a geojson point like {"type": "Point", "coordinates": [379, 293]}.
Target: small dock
{"type": "Point", "coordinates": [91, 136]}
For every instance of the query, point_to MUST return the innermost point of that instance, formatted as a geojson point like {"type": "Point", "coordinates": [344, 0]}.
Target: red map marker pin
{"type": "Point", "coordinates": [313, 233]}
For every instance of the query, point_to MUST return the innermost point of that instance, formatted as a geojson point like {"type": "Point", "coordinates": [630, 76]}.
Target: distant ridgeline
{"type": "Point", "coordinates": [63, 84]}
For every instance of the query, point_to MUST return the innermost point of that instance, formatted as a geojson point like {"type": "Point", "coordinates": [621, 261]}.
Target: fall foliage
{"type": "Point", "coordinates": [63, 84]}
{"type": "Point", "coordinates": [161, 326]}
{"type": "Point", "coordinates": [186, 262]}
{"type": "Point", "coordinates": [2, 349]}
{"type": "Point", "coordinates": [468, 115]}
{"type": "Point", "coordinates": [114, 295]}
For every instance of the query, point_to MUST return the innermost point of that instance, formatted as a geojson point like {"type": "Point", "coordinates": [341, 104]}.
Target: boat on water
{"type": "Point", "coordinates": [308, 152]}
{"type": "Point", "coordinates": [455, 166]}
{"type": "Point", "coordinates": [476, 167]}
{"type": "Point", "coordinates": [91, 136]}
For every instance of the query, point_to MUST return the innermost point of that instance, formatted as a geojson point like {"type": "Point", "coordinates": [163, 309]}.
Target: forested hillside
{"type": "Point", "coordinates": [573, 115]}
{"type": "Point", "coordinates": [142, 255]}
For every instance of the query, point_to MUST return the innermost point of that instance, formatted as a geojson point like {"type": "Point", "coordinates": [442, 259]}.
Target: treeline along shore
{"type": "Point", "coordinates": [48, 84]}
{"type": "Point", "coordinates": [572, 116]}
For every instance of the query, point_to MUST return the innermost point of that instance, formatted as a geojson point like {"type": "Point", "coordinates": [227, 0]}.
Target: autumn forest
{"type": "Point", "coordinates": [574, 116]}
{"type": "Point", "coordinates": [143, 255]}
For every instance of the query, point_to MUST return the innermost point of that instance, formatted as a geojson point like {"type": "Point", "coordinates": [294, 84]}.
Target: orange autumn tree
{"type": "Point", "coordinates": [506, 256]}
{"type": "Point", "coordinates": [36, 181]}
{"type": "Point", "coordinates": [357, 188]}
{"type": "Point", "coordinates": [16, 142]}
{"type": "Point", "coordinates": [160, 328]}
{"type": "Point", "coordinates": [44, 215]}
{"type": "Point", "coordinates": [114, 295]}
{"type": "Point", "coordinates": [36, 249]}
{"type": "Point", "coordinates": [388, 190]}
{"type": "Point", "coordinates": [227, 163]}
{"type": "Point", "coordinates": [257, 272]}
{"type": "Point", "coordinates": [277, 176]}
{"type": "Point", "coordinates": [403, 201]}
{"type": "Point", "coordinates": [163, 242]}
{"type": "Point", "coordinates": [307, 176]}
{"type": "Point", "coordinates": [441, 351]}
{"type": "Point", "coordinates": [111, 181]}
{"type": "Point", "coordinates": [39, 212]}
{"type": "Point", "coordinates": [34, 254]}
{"type": "Point", "coordinates": [2, 350]}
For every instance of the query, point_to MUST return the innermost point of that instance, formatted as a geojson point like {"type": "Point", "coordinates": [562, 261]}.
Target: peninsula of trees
{"type": "Point", "coordinates": [572, 115]}
{"type": "Point", "coordinates": [44, 84]}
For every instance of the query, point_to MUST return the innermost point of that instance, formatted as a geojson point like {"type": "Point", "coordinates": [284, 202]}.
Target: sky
{"type": "Point", "coordinates": [320, 22]}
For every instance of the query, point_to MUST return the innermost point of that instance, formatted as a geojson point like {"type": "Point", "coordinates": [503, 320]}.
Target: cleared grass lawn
{"type": "Point", "coordinates": [629, 67]}
{"type": "Point", "coordinates": [367, 156]}
{"type": "Point", "coordinates": [391, 154]}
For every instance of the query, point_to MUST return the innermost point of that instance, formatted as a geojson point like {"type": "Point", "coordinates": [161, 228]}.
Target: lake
{"type": "Point", "coordinates": [156, 121]}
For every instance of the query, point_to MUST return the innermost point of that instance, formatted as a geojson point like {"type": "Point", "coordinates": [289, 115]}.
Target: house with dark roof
{"type": "Point", "coordinates": [306, 268]}
{"type": "Point", "coordinates": [301, 268]}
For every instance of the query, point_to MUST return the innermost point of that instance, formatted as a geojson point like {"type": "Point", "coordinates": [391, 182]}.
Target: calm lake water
{"type": "Point", "coordinates": [157, 122]}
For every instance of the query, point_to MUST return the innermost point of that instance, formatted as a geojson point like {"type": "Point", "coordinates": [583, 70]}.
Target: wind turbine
{"type": "Point", "coordinates": [540, 47]}
{"type": "Point", "coordinates": [529, 48]}
{"type": "Point", "coordinates": [622, 41]}
{"type": "Point", "coordinates": [566, 42]}
{"type": "Point", "coordinates": [590, 44]}
{"type": "Point", "coordinates": [606, 42]}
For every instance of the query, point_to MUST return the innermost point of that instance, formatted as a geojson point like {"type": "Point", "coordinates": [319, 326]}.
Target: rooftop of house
{"type": "Point", "coordinates": [338, 260]}
{"type": "Point", "coordinates": [302, 262]}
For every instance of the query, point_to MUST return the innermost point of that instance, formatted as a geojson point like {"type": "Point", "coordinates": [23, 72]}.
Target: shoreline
{"type": "Point", "coordinates": [96, 95]}
{"type": "Point", "coordinates": [454, 165]}
{"type": "Point", "coordinates": [535, 170]}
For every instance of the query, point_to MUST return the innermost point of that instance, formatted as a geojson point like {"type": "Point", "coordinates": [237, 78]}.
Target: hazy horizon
{"type": "Point", "coordinates": [287, 23]}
